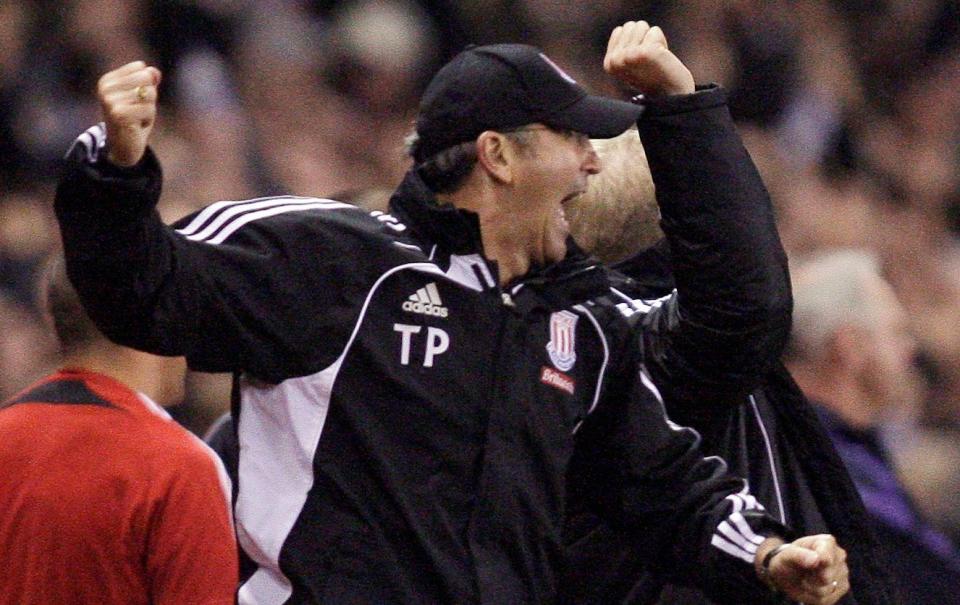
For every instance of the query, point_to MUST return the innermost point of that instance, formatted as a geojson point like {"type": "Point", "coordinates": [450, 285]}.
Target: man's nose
{"type": "Point", "coordinates": [591, 162]}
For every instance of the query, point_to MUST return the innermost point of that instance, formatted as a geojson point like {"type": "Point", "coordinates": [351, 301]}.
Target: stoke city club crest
{"type": "Point", "coordinates": [562, 345]}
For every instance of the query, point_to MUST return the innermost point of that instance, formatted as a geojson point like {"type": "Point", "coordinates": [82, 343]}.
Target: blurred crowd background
{"type": "Point", "coordinates": [851, 109]}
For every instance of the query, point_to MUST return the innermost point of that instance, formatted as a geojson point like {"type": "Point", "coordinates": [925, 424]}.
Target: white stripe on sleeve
{"type": "Point", "coordinates": [732, 549]}
{"type": "Point", "coordinates": [725, 530]}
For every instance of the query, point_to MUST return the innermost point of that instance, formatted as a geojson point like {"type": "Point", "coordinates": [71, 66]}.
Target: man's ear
{"type": "Point", "coordinates": [496, 155]}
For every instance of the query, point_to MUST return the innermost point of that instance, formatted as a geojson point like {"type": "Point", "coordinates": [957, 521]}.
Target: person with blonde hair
{"type": "Point", "coordinates": [618, 214]}
{"type": "Point", "coordinates": [749, 411]}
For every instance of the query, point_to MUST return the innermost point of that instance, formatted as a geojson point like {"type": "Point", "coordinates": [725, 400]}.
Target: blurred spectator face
{"type": "Point", "coordinates": [13, 39]}
{"type": "Point", "coordinates": [109, 29]}
{"type": "Point", "coordinates": [889, 349]}
{"type": "Point", "coordinates": [851, 337]}
{"type": "Point", "coordinates": [387, 47]}
{"type": "Point", "coordinates": [815, 213]}
{"type": "Point", "coordinates": [27, 234]}
{"type": "Point", "coordinates": [27, 227]}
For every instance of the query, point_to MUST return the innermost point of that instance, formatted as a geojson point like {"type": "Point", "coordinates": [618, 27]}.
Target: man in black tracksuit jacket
{"type": "Point", "coordinates": [406, 424]}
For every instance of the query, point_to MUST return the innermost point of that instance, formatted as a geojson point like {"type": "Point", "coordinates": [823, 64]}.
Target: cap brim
{"type": "Point", "coordinates": [597, 117]}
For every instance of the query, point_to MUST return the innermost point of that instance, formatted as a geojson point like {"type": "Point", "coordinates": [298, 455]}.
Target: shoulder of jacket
{"type": "Point", "coordinates": [220, 220]}
{"type": "Point", "coordinates": [291, 219]}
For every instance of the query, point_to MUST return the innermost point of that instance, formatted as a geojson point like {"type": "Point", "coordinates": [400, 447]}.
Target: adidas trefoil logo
{"type": "Point", "coordinates": [426, 301]}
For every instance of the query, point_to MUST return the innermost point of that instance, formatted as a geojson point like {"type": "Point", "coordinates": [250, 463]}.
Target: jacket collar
{"type": "Point", "coordinates": [573, 280]}
{"type": "Point", "coordinates": [576, 279]}
{"type": "Point", "coordinates": [454, 230]}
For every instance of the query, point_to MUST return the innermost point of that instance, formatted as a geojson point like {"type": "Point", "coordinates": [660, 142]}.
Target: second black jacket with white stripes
{"type": "Point", "coordinates": [406, 427]}
{"type": "Point", "coordinates": [763, 426]}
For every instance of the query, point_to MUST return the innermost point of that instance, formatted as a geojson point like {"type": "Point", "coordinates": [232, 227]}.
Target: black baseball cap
{"type": "Point", "coordinates": [505, 86]}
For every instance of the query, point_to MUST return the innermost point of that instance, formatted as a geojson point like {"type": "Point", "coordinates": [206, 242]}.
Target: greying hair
{"type": "Point", "coordinates": [446, 170]}
{"type": "Point", "coordinates": [831, 290]}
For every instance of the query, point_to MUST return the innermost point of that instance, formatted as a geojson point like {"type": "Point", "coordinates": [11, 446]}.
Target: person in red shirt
{"type": "Point", "coordinates": [103, 498]}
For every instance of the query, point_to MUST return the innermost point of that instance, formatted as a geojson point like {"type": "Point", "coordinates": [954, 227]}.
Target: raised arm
{"type": "Point", "coordinates": [118, 252]}
{"type": "Point", "coordinates": [730, 316]}
{"type": "Point", "coordinates": [220, 290]}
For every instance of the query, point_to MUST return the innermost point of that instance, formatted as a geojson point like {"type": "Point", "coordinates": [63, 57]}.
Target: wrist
{"type": "Point", "coordinates": [704, 98]}
{"type": "Point", "coordinates": [124, 160]}
{"type": "Point", "coordinates": [766, 553]}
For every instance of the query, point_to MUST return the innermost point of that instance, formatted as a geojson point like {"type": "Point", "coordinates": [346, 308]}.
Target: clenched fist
{"type": "Point", "coordinates": [128, 100]}
{"type": "Point", "coordinates": [638, 56]}
{"type": "Point", "coordinates": [812, 570]}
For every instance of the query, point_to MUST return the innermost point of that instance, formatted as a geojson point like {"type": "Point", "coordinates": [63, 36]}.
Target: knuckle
{"type": "Point", "coordinates": [638, 54]}
{"type": "Point", "coordinates": [116, 114]}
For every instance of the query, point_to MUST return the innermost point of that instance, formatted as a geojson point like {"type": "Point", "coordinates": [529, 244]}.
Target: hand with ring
{"type": "Point", "coordinates": [812, 570]}
{"type": "Point", "coordinates": [128, 100]}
